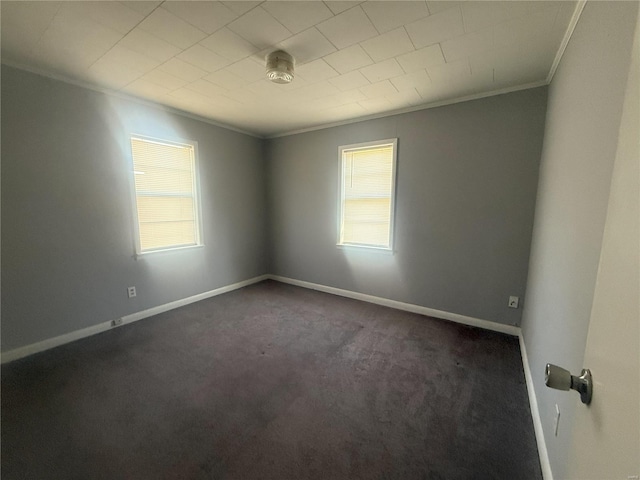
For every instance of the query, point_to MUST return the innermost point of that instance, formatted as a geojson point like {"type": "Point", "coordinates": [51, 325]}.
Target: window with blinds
{"type": "Point", "coordinates": [367, 190]}
{"type": "Point", "coordinates": [166, 194]}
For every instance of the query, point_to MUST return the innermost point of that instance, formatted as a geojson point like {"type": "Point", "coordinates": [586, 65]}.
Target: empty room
{"type": "Point", "coordinates": [320, 240]}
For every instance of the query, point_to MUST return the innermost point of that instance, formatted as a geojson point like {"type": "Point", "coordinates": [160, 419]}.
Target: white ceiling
{"type": "Point", "coordinates": [353, 59]}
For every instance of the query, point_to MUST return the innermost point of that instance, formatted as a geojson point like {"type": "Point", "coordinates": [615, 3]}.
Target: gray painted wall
{"type": "Point", "coordinates": [67, 245]}
{"type": "Point", "coordinates": [466, 186]}
{"type": "Point", "coordinates": [581, 137]}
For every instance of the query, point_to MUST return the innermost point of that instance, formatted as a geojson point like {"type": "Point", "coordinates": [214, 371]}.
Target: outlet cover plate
{"type": "Point", "coordinates": [513, 302]}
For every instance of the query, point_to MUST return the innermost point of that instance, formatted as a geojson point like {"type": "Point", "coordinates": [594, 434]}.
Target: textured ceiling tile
{"type": "Point", "coordinates": [226, 80]}
{"type": "Point", "coordinates": [183, 70]}
{"type": "Point", "coordinates": [523, 8]}
{"type": "Point", "coordinates": [75, 33]}
{"type": "Point", "coordinates": [316, 90]}
{"type": "Point", "coordinates": [188, 96]}
{"type": "Point", "coordinates": [269, 91]}
{"type": "Point", "coordinates": [449, 71]}
{"type": "Point", "coordinates": [438, 6]}
{"type": "Point", "coordinates": [244, 97]}
{"type": "Point", "coordinates": [344, 112]}
{"type": "Point", "coordinates": [467, 45]}
{"type": "Point", "coordinates": [86, 41]}
{"type": "Point", "coordinates": [307, 46]}
{"type": "Point", "coordinates": [526, 70]}
{"type": "Point", "coordinates": [23, 23]}
{"type": "Point", "coordinates": [348, 59]}
{"type": "Point", "coordinates": [110, 73]}
{"type": "Point", "coordinates": [110, 14]}
{"type": "Point", "coordinates": [349, 96]}
{"type": "Point", "coordinates": [420, 59]}
{"type": "Point", "coordinates": [145, 88]}
{"type": "Point", "coordinates": [167, 26]}
{"type": "Point", "coordinates": [130, 59]}
{"type": "Point", "coordinates": [207, 16]}
{"type": "Point", "coordinates": [143, 7]}
{"type": "Point", "coordinates": [241, 7]}
{"type": "Point", "coordinates": [229, 44]}
{"type": "Point", "coordinates": [479, 15]}
{"type": "Point", "coordinates": [248, 69]}
{"type": "Point", "coordinates": [378, 89]}
{"type": "Point", "coordinates": [376, 105]}
{"type": "Point", "coordinates": [480, 80]}
{"type": "Point", "coordinates": [203, 58]}
{"type": "Point", "coordinates": [260, 28]}
{"type": "Point", "coordinates": [411, 80]}
{"type": "Point", "coordinates": [349, 80]}
{"type": "Point", "coordinates": [26, 21]}
{"type": "Point", "coordinates": [383, 70]}
{"type": "Point", "coordinates": [339, 7]}
{"type": "Point", "coordinates": [315, 71]}
{"type": "Point", "coordinates": [391, 44]}
{"type": "Point", "coordinates": [436, 28]}
{"type": "Point", "coordinates": [535, 28]}
{"type": "Point", "coordinates": [64, 61]}
{"type": "Point", "coordinates": [349, 27]}
{"type": "Point", "coordinates": [298, 16]}
{"type": "Point", "coordinates": [387, 15]}
{"type": "Point", "coordinates": [205, 88]}
{"type": "Point", "coordinates": [323, 103]}
{"type": "Point", "coordinates": [405, 98]}
{"type": "Point", "coordinates": [300, 81]}
{"type": "Point", "coordinates": [143, 42]}
{"type": "Point", "coordinates": [164, 79]}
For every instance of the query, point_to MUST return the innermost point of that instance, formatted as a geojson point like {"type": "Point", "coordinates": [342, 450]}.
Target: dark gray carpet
{"type": "Point", "coordinates": [272, 382]}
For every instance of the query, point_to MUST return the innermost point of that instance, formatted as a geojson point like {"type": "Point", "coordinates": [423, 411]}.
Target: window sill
{"type": "Point", "coordinates": [166, 251]}
{"type": "Point", "coordinates": [365, 248]}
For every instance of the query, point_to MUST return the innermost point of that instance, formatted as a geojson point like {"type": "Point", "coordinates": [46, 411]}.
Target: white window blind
{"type": "Point", "coordinates": [166, 194]}
{"type": "Point", "coordinates": [367, 194]}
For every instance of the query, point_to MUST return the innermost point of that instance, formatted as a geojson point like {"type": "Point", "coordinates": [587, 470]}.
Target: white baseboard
{"type": "Point", "coordinates": [134, 317]}
{"type": "Point", "coordinates": [43, 345]}
{"type": "Point", "coordinates": [545, 465]}
{"type": "Point", "coordinates": [454, 317]}
{"type": "Point", "coordinates": [408, 307]}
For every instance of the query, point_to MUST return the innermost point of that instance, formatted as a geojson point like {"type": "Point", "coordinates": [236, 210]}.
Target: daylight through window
{"type": "Point", "coordinates": [367, 194]}
{"type": "Point", "coordinates": [166, 195]}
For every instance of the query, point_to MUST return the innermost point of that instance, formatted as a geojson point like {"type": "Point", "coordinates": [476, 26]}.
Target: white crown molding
{"type": "Point", "coordinates": [426, 106]}
{"type": "Point", "coordinates": [83, 84]}
{"type": "Point", "coordinates": [567, 37]}
{"type": "Point", "coordinates": [49, 343]}
{"type": "Point", "coordinates": [125, 96]}
{"type": "Point", "coordinates": [165, 108]}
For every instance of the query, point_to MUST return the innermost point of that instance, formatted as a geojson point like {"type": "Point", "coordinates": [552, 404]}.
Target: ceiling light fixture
{"type": "Point", "coordinates": [280, 67]}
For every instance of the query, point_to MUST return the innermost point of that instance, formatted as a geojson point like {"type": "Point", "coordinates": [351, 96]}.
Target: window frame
{"type": "Point", "coordinates": [179, 142]}
{"type": "Point", "coordinates": [362, 146]}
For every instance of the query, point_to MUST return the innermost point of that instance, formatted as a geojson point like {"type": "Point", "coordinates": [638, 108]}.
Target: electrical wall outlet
{"type": "Point", "coordinates": [117, 322]}
{"type": "Point", "coordinates": [513, 302]}
{"type": "Point", "coordinates": [556, 421]}
{"type": "Point", "coordinates": [131, 291]}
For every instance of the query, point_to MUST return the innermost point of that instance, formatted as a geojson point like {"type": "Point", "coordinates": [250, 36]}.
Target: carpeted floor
{"type": "Point", "coordinates": [272, 382]}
